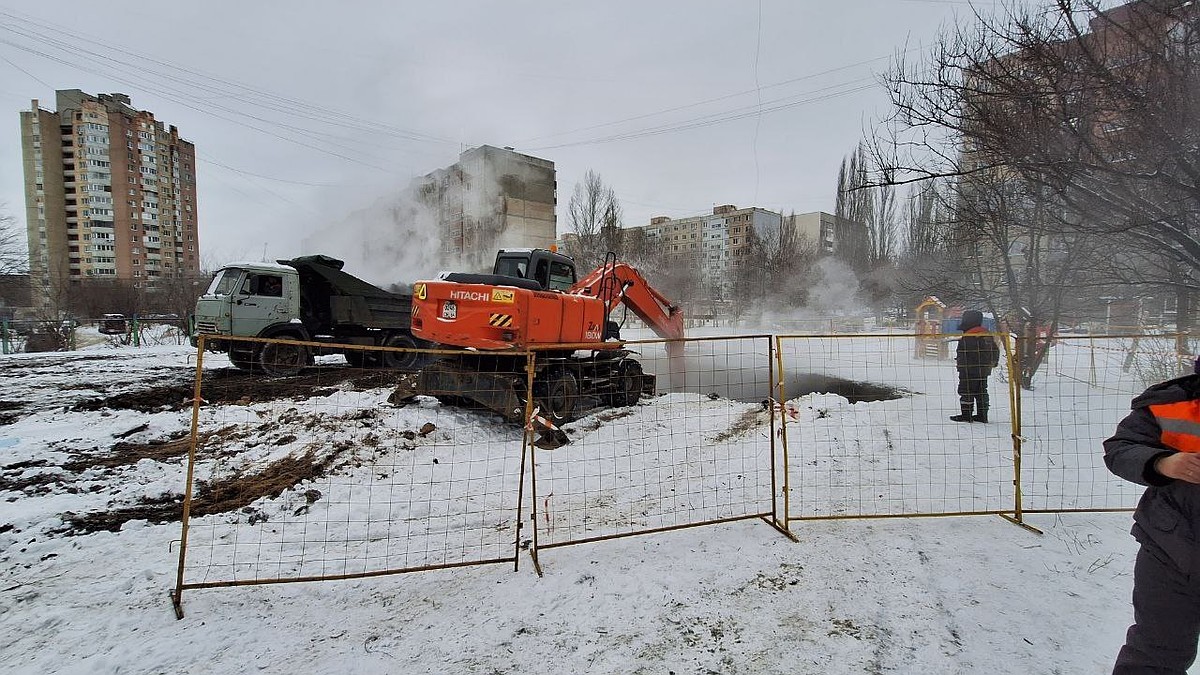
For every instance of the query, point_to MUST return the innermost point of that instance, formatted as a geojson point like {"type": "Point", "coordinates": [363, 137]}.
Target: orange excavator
{"type": "Point", "coordinates": [533, 299]}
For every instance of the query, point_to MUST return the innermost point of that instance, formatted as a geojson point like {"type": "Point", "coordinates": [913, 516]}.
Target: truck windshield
{"type": "Point", "coordinates": [225, 282]}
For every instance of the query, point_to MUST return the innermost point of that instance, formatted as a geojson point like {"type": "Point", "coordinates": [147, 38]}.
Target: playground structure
{"type": "Point", "coordinates": [930, 341]}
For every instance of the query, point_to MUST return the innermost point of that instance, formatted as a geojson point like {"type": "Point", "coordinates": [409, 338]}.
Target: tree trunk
{"type": "Point", "coordinates": [1183, 321]}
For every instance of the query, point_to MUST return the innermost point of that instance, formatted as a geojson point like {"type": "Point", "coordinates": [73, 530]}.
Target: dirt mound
{"type": "Point", "coordinates": [210, 498]}
{"type": "Point", "coordinates": [10, 411]}
{"type": "Point", "coordinates": [233, 386]}
{"type": "Point", "coordinates": [125, 453]}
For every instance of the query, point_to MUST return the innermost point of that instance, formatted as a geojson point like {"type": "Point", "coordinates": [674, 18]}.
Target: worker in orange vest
{"type": "Point", "coordinates": [976, 356]}
{"type": "Point", "coordinates": [1158, 445]}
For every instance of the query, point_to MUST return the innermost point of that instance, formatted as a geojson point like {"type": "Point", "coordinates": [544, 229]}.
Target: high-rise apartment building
{"type": "Point", "coordinates": [110, 193]}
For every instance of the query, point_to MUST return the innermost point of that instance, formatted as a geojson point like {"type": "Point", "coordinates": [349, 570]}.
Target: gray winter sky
{"type": "Point", "coordinates": [304, 111]}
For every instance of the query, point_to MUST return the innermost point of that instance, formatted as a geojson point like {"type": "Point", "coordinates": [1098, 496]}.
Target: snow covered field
{"type": "Point", "coordinates": [92, 456]}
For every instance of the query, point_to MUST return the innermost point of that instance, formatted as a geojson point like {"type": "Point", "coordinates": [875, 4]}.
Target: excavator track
{"type": "Point", "coordinates": [564, 387]}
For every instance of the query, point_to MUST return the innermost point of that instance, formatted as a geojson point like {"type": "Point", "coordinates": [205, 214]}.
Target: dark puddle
{"type": "Point", "coordinates": [802, 384]}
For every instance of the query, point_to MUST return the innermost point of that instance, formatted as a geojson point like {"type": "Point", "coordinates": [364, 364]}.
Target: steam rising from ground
{"type": "Point", "coordinates": [391, 242]}
{"type": "Point", "coordinates": [453, 218]}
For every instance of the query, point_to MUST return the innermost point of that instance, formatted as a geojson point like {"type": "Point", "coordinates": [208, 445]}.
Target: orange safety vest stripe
{"type": "Point", "coordinates": [1180, 424]}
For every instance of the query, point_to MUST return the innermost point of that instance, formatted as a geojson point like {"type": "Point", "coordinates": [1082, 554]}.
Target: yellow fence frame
{"type": "Point", "coordinates": [777, 514]}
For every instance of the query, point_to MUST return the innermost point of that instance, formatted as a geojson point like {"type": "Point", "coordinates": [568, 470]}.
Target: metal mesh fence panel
{"type": "Point", "coordinates": [868, 429]}
{"type": "Point", "coordinates": [410, 460]}
{"type": "Point", "coordinates": [700, 451]}
{"type": "Point", "coordinates": [1081, 391]}
{"type": "Point", "coordinates": [341, 471]}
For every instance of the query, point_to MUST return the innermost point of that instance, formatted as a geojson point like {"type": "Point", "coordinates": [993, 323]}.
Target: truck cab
{"type": "Point", "coordinates": [248, 299]}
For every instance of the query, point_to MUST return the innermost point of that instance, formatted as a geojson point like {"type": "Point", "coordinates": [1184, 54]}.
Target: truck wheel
{"type": "Point", "coordinates": [242, 360]}
{"type": "Point", "coordinates": [628, 383]}
{"type": "Point", "coordinates": [356, 358]}
{"type": "Point", "coordinates": [562, 392]}
{"type": "Point", "coordinates": [283, 360]}
{"type": "Point", "coordinates": [401, 360]}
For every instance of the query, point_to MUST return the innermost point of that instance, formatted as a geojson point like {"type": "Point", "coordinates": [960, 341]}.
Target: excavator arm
{"type": "Point", "coordinates": [617, 283]}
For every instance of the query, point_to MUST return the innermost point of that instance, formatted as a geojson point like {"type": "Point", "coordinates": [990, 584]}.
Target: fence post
{"type": "Point", "coordinates": [1014, 387]}
{"type": "Point", "coordinates": [197, 389]}
{"type": "Point", "coordinates": [1014, 394]}
{"type": "Point", "coordinates": [777, 372]}
{"type": "Point", "coordinates": [4, 349]}
{"type": "Point", "coordinates": [71, 326]}
{"type": "Point", "coordinates": [137, 333]}
{"type": "Point", "coordinates": [1092, 353]}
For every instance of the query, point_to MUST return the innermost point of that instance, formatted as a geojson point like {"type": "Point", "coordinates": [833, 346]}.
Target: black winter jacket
{"type": "Point", "coordinates": [1169, 511]}
{"type": "Point", "coordinates": [977, 352]}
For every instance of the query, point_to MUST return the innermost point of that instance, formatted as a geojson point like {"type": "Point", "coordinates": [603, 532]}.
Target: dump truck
{"type": "Point", "coordinates": [305, 299]}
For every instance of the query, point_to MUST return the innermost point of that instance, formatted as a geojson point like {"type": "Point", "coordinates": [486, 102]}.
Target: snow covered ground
{"type": "Point", "coordinates": [90, 461]}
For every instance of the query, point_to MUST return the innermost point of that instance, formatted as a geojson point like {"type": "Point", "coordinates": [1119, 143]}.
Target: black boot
{"type": "Point", "coordinates": [966, 415]}
{"type": "Point", "coordinates": [981, 405]}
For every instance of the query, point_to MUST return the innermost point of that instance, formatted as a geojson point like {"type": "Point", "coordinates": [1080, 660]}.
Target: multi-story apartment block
{"type": "Point", "coordinates": [110, 193]}
{"type": "Point", "coordinates": [831, 234]}
{"type": "Point", "coordinates": [491, 198]}
{"type": "Point", "coordinates": [716, 242]}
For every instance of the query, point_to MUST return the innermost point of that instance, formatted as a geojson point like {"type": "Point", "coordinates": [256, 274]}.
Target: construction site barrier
{"type": "Point", "coordinates": [337, 474]}
{"type": "Point", "coordinates": [340, 472]}
{"type": "Point", "coordinates": [703, 450]}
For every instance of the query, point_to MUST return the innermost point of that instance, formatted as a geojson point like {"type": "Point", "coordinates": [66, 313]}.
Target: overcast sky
{"type": "Point", "coordinates": [677, 105]}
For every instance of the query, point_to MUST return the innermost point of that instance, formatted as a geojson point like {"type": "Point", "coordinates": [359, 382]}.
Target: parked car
{"type": "Point", "coordinates": [113, 324]}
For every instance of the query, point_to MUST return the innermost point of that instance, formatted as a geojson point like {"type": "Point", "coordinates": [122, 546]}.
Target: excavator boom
{"type": "Point", "coordinates": [618, 283]}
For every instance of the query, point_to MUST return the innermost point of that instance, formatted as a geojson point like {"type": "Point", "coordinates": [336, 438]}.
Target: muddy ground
{"type": "Point", "coordinates": [229, 386]}
{"type": "Point", "coordinates": [171, 388]}
{"type": "Point", "coordinates": [174, 391]}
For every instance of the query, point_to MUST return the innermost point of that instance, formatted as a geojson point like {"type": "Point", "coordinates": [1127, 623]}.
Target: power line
{"type": "Point", "coordinates": [294, 106]}
{"type": "Point", "coordinates": [716, 99]}
{"type": "Point", "coordinates": [181, 100]}
{"type": "Point", "coordinates": [720, 118]}
{"type": "Point", "coordinates": [31, 75]}
{"type": "Point", "coordinates": [209, 160]}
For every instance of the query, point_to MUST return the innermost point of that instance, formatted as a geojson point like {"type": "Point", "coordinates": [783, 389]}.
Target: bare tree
{"type": "Point", "coordinates": [855, 204]}
{"type": "Point", "coordinates": [1058, 128]}
{"type": "Point", "coordinates": [594, 216]}
{"type": "Point", "coordinates": [779, 265]}
{"type": "Point", "coordinates": [873, 205]}
{"type": "Point", "coordinates": [14, 254]}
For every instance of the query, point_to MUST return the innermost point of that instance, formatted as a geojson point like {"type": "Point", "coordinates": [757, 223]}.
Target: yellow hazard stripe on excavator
{"type": "Point", "coordinates": [500, 320]}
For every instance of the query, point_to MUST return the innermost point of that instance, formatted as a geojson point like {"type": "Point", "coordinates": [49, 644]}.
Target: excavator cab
{"type": "Point", "coordinates": [553, 271]}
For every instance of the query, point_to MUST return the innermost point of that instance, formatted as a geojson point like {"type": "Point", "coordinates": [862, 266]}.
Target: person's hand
{"type": "Point", "coordinates": [1183, 466]}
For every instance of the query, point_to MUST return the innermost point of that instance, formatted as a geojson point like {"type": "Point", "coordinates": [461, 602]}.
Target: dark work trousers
{"type": "Point", "coordinates": [1166, 614]}
{"type": "Point", "coordinates": [972, 388]}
